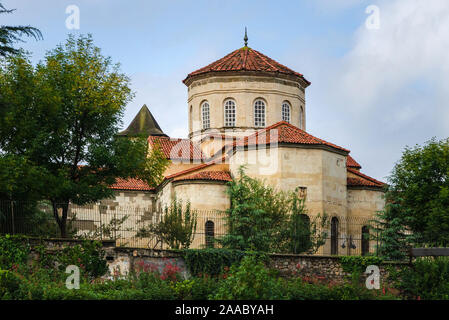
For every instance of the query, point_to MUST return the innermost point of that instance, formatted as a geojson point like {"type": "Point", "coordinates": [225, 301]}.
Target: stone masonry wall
{"type": "Point", "coordinates": [122, 261]}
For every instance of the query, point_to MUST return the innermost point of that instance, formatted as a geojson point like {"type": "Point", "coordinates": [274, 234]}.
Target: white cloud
{"type": "Point", "coordinates": [411, 45]}
{"type": "Point", "coordinates": [390, 89]}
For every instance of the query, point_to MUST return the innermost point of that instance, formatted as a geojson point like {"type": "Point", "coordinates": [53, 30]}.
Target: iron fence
{"type": "Point", "coordinates": [341, 235]}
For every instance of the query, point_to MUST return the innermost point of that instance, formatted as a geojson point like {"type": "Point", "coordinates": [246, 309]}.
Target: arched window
{"type": "Point", "coordinates": [301, 118]}
{"type": "Point", "coordinates": [209, 228]}
{"type": "Point", "coordinates": [334, 235]}
{"type": "Point", "coordinates": [286, 111]}
{"type": "Point", "coordinates": [229, 113]}
{"type": "Point", "coordinates": [301, 234]}
{"type": "Point", "coordinates": [259, 113]}
{"type": "Point", "coordinates": [365, 240]}
{"type": "Point", "coordinates": [205, 115]}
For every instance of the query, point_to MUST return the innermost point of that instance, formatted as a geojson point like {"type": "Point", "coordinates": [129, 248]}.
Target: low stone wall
{"type": "Point", "coordinates": [324, 268]}
{"type": "Point", "coordinates": [123, 261]}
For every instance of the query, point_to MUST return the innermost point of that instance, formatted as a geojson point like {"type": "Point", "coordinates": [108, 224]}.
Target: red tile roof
{"type": "Point", "coordinates": [351, 163]}
{"type": "Point", "coordinates": [131, 184]}
{"type": "Point", "coordinates": [246, 59]}
{"type": "Point", "coordinates": [208, 175]}
{"type": "Point", "coordinates": [178, 149]}
{"type": "Point", "coordinates": [286, 133]}
{"type": "Point", "coordinates": [363, 180]}
{"type": "Point", "coordinates": [201, 166]}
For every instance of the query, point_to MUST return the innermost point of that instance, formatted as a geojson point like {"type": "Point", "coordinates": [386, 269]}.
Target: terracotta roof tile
{"type": "Point", "coordinates": [363, 180]}
{"type": "Point", "coordinates": [201, 166]}
{"type": "Point", "coordinates": [131, 184]}
{"type": "Point", "coordinates": [351, 163]}
{"type": "Point", "coordinates": [246, 59]}
{"type": "Point", "coordinates": [208, 175]}
{"type": "Point", "coordinates": [178, 149]}
{"type": "Point", "coordinates": [284, 132]}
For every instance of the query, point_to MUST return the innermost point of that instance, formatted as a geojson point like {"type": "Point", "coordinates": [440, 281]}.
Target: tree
{"type": "Point", "coordinates": [264, 219]}
{"type": "Point", "coordinates": [390, 231]}
{"type": "Point", "coordinates": [176, 228]}
{"type": "Point", "coordinates": [417, 210]}
{"type": "Point", "coordinates": [302, 234]}
{"type": "Point", "coordinates": [19, 180]}
{"type": "Point", "coordinates": [12, 34]}
{"type": "Point", "coordinates": [63, 116]}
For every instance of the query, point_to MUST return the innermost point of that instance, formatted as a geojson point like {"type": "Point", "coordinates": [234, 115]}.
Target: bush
{"type": "Point", "coordinates": [10, 284]}
{"type": "Point", "coordinates": [89, 256]}
{"type": "Point", "coordinates": [211, 261]}
{"type": "Point", "coordinates": [428, 278]}
{"type": "Point", "coordinates": [14, 252]}
{"type": "Point", "coordinates": [250, 280]}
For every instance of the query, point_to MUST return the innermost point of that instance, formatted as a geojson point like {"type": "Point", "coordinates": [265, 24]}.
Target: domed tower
{"type": "Point", "coordinates": [242, 92]}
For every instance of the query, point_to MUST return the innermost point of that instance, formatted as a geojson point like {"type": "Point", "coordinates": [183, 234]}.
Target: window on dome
{"type": "Point", "coordinates": [205, 115]}
{"type": "Point", "coordinates": [259, 113]}
{"type": "Point", "coordinates": [229, 113]}
{"type": "Point", "coordinates": [286, 112]}
{"type": "Point", "coordinates": [301, 118]}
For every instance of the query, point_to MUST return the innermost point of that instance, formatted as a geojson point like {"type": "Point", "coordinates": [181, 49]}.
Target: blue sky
{"type": "Point", "coordinates": [373, 91]}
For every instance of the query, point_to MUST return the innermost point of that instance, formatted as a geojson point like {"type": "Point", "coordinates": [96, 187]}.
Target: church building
{"type": "Point", "coordinates": [248, 109]}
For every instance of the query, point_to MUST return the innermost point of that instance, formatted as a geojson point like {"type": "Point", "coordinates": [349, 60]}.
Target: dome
{"type": "Point", "coordinates": [246, 60]}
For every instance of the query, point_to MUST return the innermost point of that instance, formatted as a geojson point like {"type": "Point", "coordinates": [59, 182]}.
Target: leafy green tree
{"type": "Point", "coordinates": [20, 183]}
{"type": "Point", "coordinates": [63, 116]}
{"type": "Point", "coordinates": [390, 231]}
{"type": "Point", "coordinates": [417, 210]}
{"type": "Point", "coordinates": [264, 219]}
{"type": "Point", "coordinates": [176, 228]}
{"type": "Point", "coordinates": [12, 34]}
{"type": "Point", "coordinates": [302, 234]}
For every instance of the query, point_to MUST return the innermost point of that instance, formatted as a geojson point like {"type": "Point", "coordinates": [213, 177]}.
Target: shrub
{"type": "Point", "coordinates": [14, 251]}
{"type": "Point", "coordinates": [356, 265]}
{"type": "Point", "coordinates": [250, 280]}
{"type": "Point", "coordinates": [89, 256]}
{"type": "Point", "coordinates": [9, 285]}
{"type": "Point", "coordinates": [203, 287]}
{"type": "Point", "coordinates": [428, 278]}
{"type": "Point", "coordinates": [176, 228]}
{"type": "Point", "coordinates": [211, 261]}
{"type": "Point", "coordinates": [265, 219]}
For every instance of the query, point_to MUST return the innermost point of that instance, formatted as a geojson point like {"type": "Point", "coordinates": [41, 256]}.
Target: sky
{"type": "Point", "coordinates": [379, 68]}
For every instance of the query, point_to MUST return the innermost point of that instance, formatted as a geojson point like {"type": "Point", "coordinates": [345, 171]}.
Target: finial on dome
{"type": "Point", "coordinates": [245, 38]}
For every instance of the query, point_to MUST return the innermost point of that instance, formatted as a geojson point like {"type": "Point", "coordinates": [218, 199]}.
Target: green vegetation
{"type": "Point", "coordinates": [417, 210]}
{"type": "Point", "coordinates": [249, 278]}
{"type": "Point", "coordinates": [58, 126]}
{"type": "Point", "coordinates": [264, 219]}
{"type": "Point", "coordinates": [211, 261]}
{"type": "Point", "coordinates": [176, 228]}
{"type": "Point", "coordinates": [428, 279]}
{"type": "Point", "coordinates": [13, 34]}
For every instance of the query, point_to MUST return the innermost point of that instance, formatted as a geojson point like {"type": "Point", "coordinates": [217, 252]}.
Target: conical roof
{"type": "Point", "coordinates": [246, 59]}
{"type": "Point", "coordinates": [143, 124]}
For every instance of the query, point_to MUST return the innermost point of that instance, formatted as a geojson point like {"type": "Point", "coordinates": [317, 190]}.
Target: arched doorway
{"type": "Point", "coordinates": [334, 235]}
{"type": "Point", "coordinates": [365, 240]}
{"type": "Point", "coordinates": [209, 228]}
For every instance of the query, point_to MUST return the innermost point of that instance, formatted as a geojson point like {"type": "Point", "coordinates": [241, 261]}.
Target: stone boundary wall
{"type": "Point", "coordinates": [123, 260]}
{"type": "Point", "coordinates": [324, 268]}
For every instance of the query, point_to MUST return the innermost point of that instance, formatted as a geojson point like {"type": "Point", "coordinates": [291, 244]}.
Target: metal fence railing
{"type": "Point", "coordinates": [343, 235]}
